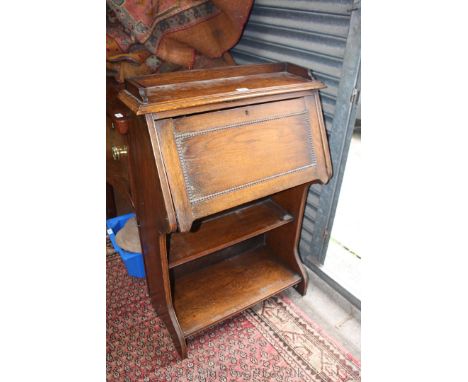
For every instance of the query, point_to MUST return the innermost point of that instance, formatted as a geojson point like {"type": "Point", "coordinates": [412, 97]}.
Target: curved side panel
{"type": "Point", "coordinates": [284, 241]}
{"type": "Point", "coordinates": [158, 281]}
{"type": "Point", "coordinates": [153, 225]}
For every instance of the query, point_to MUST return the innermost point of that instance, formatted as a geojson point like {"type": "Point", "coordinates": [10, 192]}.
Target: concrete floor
{"type": "Point", "coordinates": [344, 255]}
{"type": "Point", "coordinates": [347, 223]}
{"type": "Point", "coordinates": [337, 317]}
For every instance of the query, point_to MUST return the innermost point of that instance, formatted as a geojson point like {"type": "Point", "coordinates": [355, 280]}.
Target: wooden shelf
{"type": "Point", "coordinates": [225, 230]}
{"type": "Point", "coordinates": [218, 291]}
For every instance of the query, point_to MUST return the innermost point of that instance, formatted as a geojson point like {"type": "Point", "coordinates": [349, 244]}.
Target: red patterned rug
{"type": "Point", "coordinates": [273, 341]}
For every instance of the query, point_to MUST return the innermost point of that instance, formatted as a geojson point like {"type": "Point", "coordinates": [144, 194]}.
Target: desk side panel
{"type": "Point", "coordinates": [153, 221]}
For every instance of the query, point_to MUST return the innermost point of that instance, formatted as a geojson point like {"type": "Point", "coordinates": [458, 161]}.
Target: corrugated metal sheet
{"type": "Point", "coordinates": [314, 251]}
{"type": "Point", "coordinates": [309, 33]}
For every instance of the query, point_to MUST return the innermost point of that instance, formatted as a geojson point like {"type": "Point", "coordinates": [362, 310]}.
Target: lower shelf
{"type": "Point", "coordinates": [221, 290]}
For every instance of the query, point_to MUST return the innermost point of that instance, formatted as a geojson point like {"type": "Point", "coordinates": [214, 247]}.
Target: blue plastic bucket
{"type": "Point", "coordinates": [133, 261]}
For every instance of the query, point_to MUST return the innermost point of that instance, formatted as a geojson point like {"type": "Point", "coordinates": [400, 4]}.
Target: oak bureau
{"type": "Point", "coordinates": [220, 165]}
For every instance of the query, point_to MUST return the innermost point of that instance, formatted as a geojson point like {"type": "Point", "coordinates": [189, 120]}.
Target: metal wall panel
{"type": "Point", "coordinates": [315, 35]}
{"type": "Point", "coordinates": [308, 33]}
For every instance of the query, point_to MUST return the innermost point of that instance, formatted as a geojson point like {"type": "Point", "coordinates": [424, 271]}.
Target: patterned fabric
{"type": "Point", "coordinates": [273, 341]}
{"type": "Point", "coordinates": [143, 34]}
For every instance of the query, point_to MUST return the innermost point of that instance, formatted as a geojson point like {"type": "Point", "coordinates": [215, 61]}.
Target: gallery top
{"type": "Point", "coordinates": [169, 92]}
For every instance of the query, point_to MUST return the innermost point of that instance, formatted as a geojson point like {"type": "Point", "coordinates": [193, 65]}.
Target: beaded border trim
{"type": "Point", "coordinates": [250, 184]}
{"type": "Point", "coordinates": [238, 124]}
{"type": "Point", "coordinates": [181, 137]}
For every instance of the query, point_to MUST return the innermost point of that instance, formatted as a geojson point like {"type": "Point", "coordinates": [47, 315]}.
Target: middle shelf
{"type": "Point", "coordinates": [225, 230]}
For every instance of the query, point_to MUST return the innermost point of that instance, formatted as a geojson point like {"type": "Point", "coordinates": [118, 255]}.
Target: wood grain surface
{"type": "Point", "coordinates": [220, 164]}
{"type": "Point", "coordinates": [226, 230]}
{"type": "Point", "coordinates": [228, 287]}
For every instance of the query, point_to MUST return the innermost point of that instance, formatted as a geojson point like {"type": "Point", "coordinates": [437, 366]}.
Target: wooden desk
{"type": "Point", "coordinates": [221, 161]}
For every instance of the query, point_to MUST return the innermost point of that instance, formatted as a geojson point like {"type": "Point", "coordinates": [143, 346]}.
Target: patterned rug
{"type": "Point", "coordinates": [273, 341]}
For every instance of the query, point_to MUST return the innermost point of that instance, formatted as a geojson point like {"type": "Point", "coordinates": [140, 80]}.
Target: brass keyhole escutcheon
{"type": "Point", "coordinates": [119, 151]}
